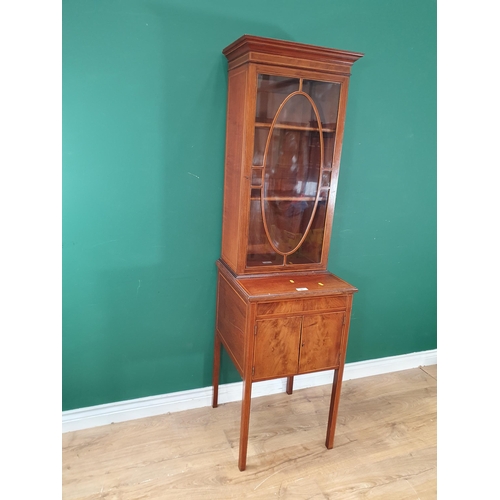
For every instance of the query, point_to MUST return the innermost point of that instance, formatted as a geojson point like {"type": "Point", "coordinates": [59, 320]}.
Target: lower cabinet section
{"type": "Point", "coordinates": [276, 327]}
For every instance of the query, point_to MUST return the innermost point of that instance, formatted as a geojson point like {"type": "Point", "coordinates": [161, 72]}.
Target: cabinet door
{"type": "Point", "coordinates": [276, 347]}
{"type": "Point", "coordinates": [294, 143]}
{"type": "Point", "coordinates": [320, 341]}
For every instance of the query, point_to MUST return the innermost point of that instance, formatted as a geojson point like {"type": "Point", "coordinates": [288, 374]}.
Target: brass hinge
{"type": "Point", "coordinates": [255, 330]}
{"type": "Point", "coordinates": [253, 370]}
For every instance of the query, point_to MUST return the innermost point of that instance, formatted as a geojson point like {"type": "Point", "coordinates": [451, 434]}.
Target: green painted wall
{"type": "Point", "coordinates": [144, 97]}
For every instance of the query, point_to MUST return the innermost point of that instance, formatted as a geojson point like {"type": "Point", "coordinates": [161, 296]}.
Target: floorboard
{"type": "Point", "coordinates": [385, 448]}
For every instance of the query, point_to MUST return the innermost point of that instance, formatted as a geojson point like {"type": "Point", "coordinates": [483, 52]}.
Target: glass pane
{"type": "Point", "coordinates": [310, 250]}
{"type": "Point", "coordinates": [271, 92]}
{"type": "Point", "coordinates": [291, 174]}
{"type": "Point", "coordinates": [326, 96]}
{"type": "Point", "coordinates": [256, 176]}
{"type": "Point", "coordinates": [325, 179]}
{"type": "Point", "coordinates": [328, 143]}
{"type": "Point", "coordinates": [288, 222]}
{"type": "Point", "coordinates": [260, 139]}
{"type": "Point", "coordinates": [259, 253]}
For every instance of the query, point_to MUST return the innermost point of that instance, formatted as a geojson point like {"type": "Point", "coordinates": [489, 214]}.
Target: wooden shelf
{"type": "Point", "coordinates": [293, 127]}
{"type": "Point", "coordinates": [288, 198]}
{"type": "Point", "coordinates": [260, 167]}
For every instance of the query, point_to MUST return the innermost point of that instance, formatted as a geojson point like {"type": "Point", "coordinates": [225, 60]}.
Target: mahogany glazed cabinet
{"type": "Point", "coordinates": [280, 313]}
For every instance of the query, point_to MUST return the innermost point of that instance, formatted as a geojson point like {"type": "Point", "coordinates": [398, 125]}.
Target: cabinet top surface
{"type": "Point", "coordinates": [291, 285]}
{"type": "Point", "coordinates": [250, 43]}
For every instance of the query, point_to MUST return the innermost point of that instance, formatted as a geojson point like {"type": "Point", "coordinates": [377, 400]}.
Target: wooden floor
{"type": "Point", "coordinates": [385, 448]}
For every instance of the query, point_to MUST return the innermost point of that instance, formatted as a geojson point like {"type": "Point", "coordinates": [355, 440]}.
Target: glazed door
{"type": "Point", "coordinates": [294, 142]}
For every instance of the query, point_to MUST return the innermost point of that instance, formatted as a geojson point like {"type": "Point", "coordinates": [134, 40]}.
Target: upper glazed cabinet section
{"type": "Point", "coordinates": [285, 116]}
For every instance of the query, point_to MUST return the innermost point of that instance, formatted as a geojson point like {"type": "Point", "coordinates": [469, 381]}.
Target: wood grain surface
{"type": "Point", "coordinates": [385, 448]}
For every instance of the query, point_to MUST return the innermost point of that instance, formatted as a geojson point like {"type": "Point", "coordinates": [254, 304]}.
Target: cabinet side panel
{"type": "Point", "coordinates": [231, 223]}
{"type": "Point", "coordinates": [231, 320]}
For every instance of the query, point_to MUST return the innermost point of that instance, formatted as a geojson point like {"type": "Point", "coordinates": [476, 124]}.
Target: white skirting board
{"type": "Point", "coordinates": [93, 416]}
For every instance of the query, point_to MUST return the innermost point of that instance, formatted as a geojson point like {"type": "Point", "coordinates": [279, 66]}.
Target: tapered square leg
{"type": "Point", "coordinates": [289, 385]}
{"type": "Point", "coordinates": [334, 407]}
{"type": "Point", "coordinates": [245, 422]}
{"type": "Point", "coordinates": [216, 370]}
